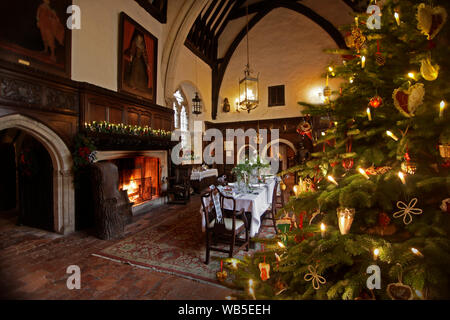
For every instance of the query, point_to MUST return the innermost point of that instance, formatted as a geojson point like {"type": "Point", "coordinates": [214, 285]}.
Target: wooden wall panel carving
{"type": "Point", "coordinates": [64, 104]}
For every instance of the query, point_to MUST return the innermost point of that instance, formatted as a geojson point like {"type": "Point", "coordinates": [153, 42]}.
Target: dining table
{"type": "Point", "coordinates": [255, 201]}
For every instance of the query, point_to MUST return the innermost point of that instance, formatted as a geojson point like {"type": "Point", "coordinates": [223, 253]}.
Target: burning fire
{"type": "Point", "coordinates": [132, 190]}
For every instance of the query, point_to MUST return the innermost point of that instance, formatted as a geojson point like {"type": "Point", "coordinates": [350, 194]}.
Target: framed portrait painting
{"type": "Point", "coordinates": [34, 33]}
{"type": "Point", "coordinates": [138, 53]}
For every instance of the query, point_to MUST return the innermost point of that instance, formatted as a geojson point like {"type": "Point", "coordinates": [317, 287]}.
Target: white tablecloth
{"type": "Point", "coordinates": [200, 175]}
{"type": "Point", "coordinates": [256, 203]}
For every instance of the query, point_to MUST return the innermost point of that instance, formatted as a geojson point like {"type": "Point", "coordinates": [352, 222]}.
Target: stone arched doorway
{"type": "Point", "coordinates": [63, 189]}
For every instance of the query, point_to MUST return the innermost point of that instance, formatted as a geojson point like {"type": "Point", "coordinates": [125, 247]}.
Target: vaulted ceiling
{"type": "Point", "coordinates": [215, 23]}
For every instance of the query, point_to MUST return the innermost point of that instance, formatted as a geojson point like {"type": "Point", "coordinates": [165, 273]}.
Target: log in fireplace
{"type": "Point", "coordinates": [140, 177]}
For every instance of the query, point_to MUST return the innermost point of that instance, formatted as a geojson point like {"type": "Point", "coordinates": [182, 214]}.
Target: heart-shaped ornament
{"type": "Point", "coordinates": [430, 19]}
{"type": "Point", "coordinates": [399, 291]}
{"type": "Point", "coordinates": [407, 101]}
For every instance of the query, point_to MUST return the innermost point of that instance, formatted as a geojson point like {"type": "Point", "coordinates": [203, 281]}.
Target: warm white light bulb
{"type": "Point", "coordinates": [363, 172]}
{"type": "Point", "coordinates": [331, 179]}
{"type": "Point", "coordinates": [390, 134]}
{"type": "Point", "coordinates": [402, 177]}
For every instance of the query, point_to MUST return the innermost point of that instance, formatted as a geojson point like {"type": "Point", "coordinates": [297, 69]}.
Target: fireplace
{"type": "Point", "coordinates": [139, 176]}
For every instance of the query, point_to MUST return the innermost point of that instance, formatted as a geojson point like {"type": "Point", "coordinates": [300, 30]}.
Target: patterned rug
{"type": "Point", "coordinates": [176, 245]}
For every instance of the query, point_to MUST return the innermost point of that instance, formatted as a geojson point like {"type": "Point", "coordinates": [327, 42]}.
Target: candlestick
{"type": "Point", "coordinates": [376, 252]}
{"type": "Point", "coordinates": [331, 179]}
{"type": "Point", "coordinates": [402, 177]}
{"type": "Point", "coordinates": [441, 109]}
{"type": "Point", "coordinates": [390, 134]}
{"type": "Point", "coordinates": [363, 172]}
{"type": "Point", "coordinates": [397, 18]}
{"type": "Point", "coordinates": [363, 62]}
{"type": "Point", "coordinates": [322, 229]}
{"type": "Point", "coordinates": [369, 115]}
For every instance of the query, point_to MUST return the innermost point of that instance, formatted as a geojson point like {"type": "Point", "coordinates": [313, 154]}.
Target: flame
{"type": "Point", "coordinates": [132, 190]}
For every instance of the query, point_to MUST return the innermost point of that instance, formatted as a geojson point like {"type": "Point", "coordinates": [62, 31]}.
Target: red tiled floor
{"type": "Point", "coordinates": [33, 265]}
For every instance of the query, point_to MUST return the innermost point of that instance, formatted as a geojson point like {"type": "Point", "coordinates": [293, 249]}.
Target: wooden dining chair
{"type": "Point", "coordinates": [272, 211]}
{"type": "Point", "coordinates": [223, 228]}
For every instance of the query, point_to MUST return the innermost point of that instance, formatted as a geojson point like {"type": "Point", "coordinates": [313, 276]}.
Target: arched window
{"type": "Point", "coordinates": [181, 119]}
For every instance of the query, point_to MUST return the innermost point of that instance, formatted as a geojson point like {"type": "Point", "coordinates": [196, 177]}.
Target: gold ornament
{"type": "Point", "coordinates": [345, 219]}
{"type": "Point", "coordinates": [282, 186]}
{"type": "Point", "coordinates": [406, 211]}
{"type": "Point", "coordinates": [444, 150]}
{"type": "Point", "coordinates": [222, 275]}
{"type": "Point", "coordinates": [313, 276]}
{"type": "Point", "coordinates": [358, 39]}
{"type": "Point", "coordinates": [428, 71]}
{"type": "Point", "coordinates": [409, 167]}
{"type": "Point", "coordinates": [430, 20]}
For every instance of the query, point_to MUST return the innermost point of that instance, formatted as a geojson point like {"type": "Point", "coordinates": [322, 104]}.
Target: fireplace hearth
{"type": "Point", "coordinates": [140, 175]}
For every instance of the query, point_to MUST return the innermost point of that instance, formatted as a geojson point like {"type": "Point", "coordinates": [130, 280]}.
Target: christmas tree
{"type": "Point", "coordinates": [374, 194]}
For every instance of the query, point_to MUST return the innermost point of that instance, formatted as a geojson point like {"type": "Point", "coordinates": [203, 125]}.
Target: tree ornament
{"type": "Point", "coordinates": [280, 287]}
{"type": "Point", "coordinates": [445, 206]}
{"type": "Point", "coordinates": [304, 128]}
{"type": "Point", "coordinates": [407, 101]}
{"type": "Point", "coordinates": [409, 167]}
{"type": "Point", "coordinates": [282, 186]}
{"type": "Point", "coordinates": [358, 39]}
{"type": "Point", "coordinates": [428, 71]}
{"type": "Point", "coordinates": [384, 228]}
{"type": "Point", "coordinates": [345, 219]}
{"type": "Point", "coordinates": [379, 58]}
{"type": "Point", "coordinates": [406, 211]}
{"type": "Point", "coordinates": [222, 275]}
{"type": "Point", "coordinates": [430, 19]}
{"type": "Point", "coordinates": [264, 269]}
{"type": "Point", "coordinates": [313, 276]}
{"type": "Point", "coordinates": [365, 296]}
{"type": "Point", "coordinates": [284, 224]}
{"type": "Point", "coordinates": [376, 101]}
{"type": "Point", "coordinates": [399, 291]}
{"type": "Point", "coordinates": [348, 163]}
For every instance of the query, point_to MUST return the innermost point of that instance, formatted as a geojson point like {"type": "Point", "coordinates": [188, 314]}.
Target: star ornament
{"type": "Point", "coordinates": [313, 276]}
{"type": "Point", "coordinates": [406, 211]}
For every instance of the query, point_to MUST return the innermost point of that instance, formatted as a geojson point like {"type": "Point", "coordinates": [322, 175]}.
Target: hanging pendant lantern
{"type": "Point", "coordinates": [196, 104]}
{"type": "Point", "coordinates": [248, 86]}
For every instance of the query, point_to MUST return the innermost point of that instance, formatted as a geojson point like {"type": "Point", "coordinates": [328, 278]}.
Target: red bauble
{"type": "Point", "coordinates": [375, 102]}
{"type": "Point", "coordinates": [383, 219]}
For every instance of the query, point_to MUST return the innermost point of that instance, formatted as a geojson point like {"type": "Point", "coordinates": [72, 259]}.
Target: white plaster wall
{"type": "Point", "coordinates": [95, 46]}
{"type": "Point", "coordinates": [192, 72]}
{"type": "Point", "coordinates": [291, 54]}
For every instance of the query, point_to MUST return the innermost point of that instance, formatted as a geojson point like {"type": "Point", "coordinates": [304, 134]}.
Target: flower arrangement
{"type": "Point", "coordinates": [122, 129]}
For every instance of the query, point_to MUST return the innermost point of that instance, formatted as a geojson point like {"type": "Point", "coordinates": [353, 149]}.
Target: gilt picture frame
{"type": "Point", "coordinates": [138, 57]}
{"type": "Point", "coordinates": [33, 33]}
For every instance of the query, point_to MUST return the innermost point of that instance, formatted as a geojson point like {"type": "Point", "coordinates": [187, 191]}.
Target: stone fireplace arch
{"type": "Point", "coordinates": [63, 189]}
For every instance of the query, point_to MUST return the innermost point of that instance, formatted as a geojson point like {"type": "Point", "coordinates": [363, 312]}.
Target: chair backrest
{"type": "Point", "coordinates": [213, 209]}
{"type": "Point", "coordinates": [274, 195]}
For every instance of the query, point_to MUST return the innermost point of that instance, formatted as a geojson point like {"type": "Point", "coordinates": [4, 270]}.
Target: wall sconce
{"type": "Point", "coordinates": [226, 105]}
